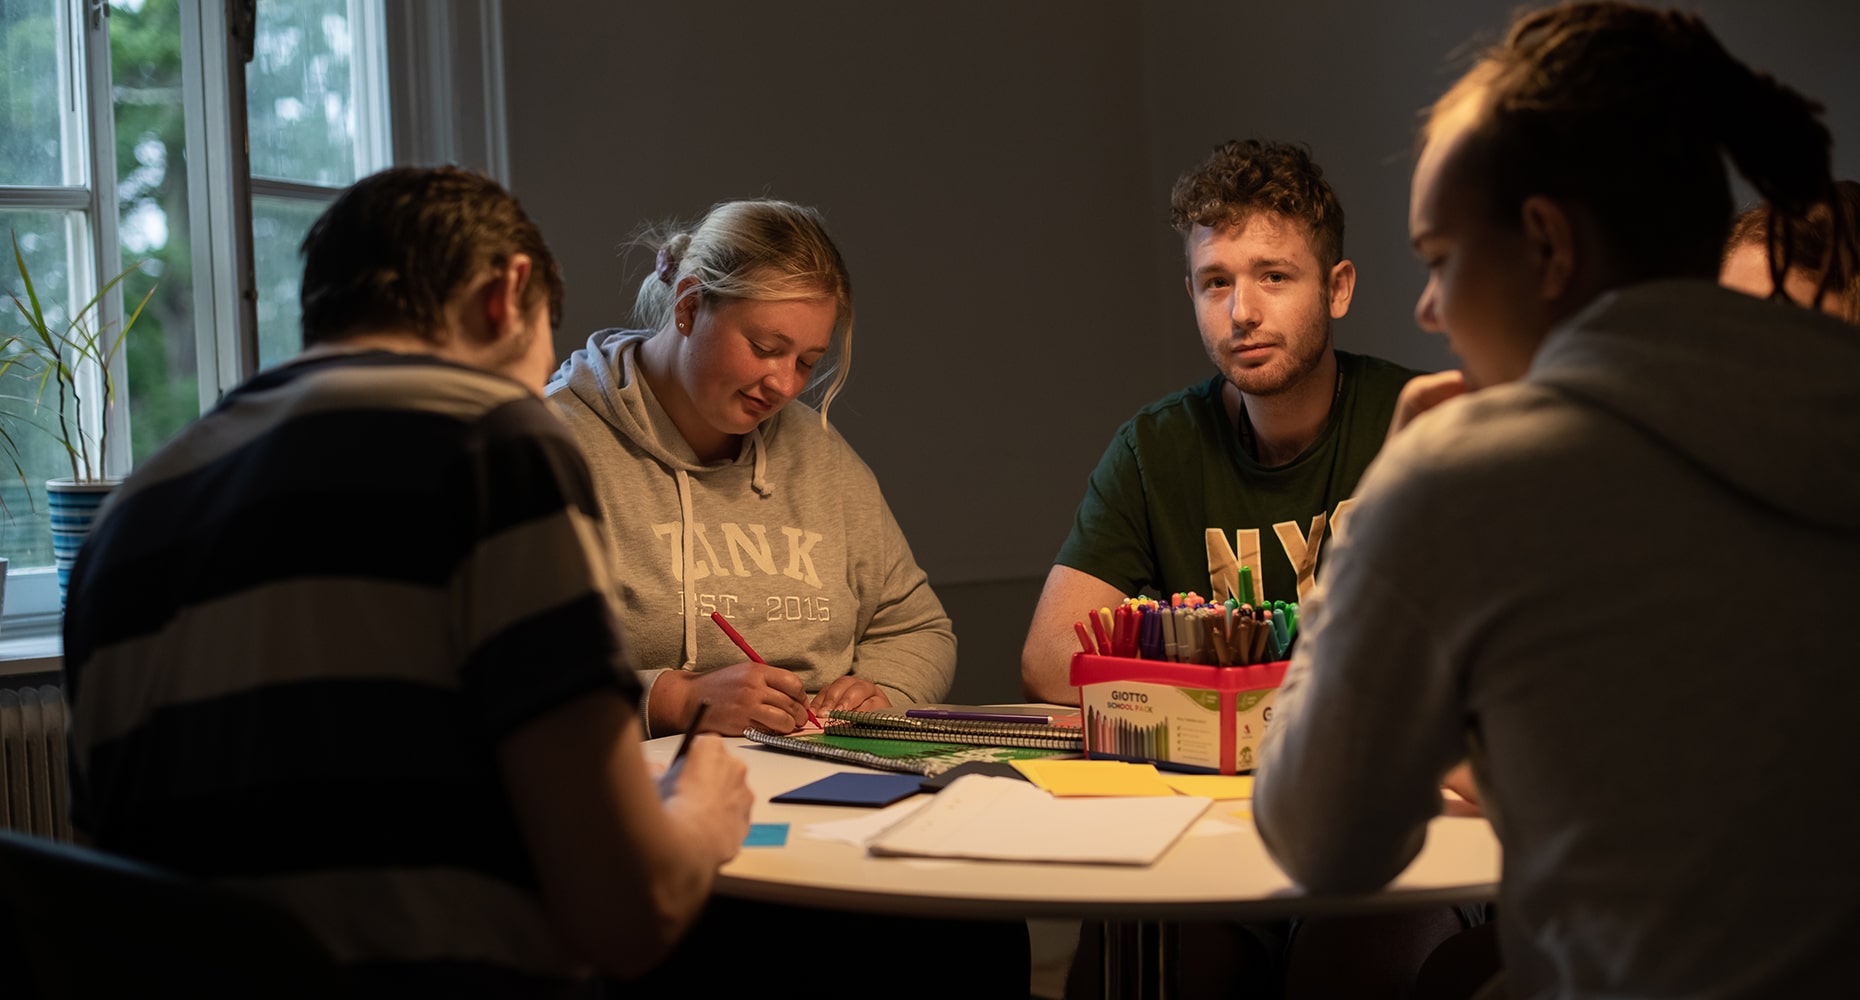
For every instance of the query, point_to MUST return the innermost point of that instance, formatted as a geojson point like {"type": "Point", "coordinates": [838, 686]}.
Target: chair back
{"type": "Point", "coordinates": [75, 922]}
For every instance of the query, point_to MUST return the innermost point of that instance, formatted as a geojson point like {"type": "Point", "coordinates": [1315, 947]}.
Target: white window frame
{"type": "Point", "coordinates": [216, 41]}
{"type": "Point", "coordinates": [422, 55]}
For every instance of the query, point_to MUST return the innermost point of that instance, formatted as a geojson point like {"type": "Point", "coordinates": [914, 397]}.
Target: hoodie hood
{"type": "Point", "coordinates": [601, 374]}
{"type": "Point", "coordinates": [1762, 395]}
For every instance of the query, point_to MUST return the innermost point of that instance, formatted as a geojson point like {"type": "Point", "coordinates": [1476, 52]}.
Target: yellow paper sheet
{"type": "Point", "coordinates": [1093, 777]}
{"type": "Point", "coordinates": [1212, 786]}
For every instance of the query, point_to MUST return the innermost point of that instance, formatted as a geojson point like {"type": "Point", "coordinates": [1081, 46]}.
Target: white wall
{"type": "Point", "coordinates": [997, 175]}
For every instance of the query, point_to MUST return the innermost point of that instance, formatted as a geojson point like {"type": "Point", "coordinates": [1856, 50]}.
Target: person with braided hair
{"type": "Point", "coordinates": [1549, 568]}
{"type": "Point", "coordinates": [1815, 277]}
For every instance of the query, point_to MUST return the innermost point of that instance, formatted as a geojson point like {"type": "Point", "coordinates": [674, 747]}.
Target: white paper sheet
{"type": "Point", "coordinates": [1003, 819]}
{"type": "Point", "coordinates": [860, 830]}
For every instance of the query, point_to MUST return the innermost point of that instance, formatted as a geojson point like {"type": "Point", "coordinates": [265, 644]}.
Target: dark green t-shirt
{"type": "Point", "coordinates": [1177, 469]}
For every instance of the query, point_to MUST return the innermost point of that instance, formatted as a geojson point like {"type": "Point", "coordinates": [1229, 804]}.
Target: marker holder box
{"type": "Point", "coordinates": [1181, 716]}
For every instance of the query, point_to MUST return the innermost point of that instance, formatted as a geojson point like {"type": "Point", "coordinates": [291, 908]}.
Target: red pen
{"type": "Point", "coordinates": [743, 644]}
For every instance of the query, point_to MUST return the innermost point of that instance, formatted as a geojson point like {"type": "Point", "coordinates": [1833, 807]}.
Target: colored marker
{"type": "Point", "coordinates": [1098, 630]}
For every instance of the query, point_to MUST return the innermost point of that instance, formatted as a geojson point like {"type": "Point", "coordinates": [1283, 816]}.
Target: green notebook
{"type": "Point", "coordinates": [908, 756]}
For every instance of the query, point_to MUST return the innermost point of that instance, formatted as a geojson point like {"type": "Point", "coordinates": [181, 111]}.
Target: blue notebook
{"type": "Point", "coordinates": [850, 788]}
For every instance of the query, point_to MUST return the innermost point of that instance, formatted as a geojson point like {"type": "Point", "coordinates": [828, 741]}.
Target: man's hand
{"type": "Point", "coordinates": [1423, 393]}
{"type": "Point", "coordinates": [853, 694]}
{"type": "Point", "coordinates": [742, 696]}
{"type": "Point", "coordinates": [710, 798]}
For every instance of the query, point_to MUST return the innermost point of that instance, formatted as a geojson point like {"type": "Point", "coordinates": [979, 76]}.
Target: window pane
{"type": "Point", "coordinates": [55, 248]}
{"type": "Point", "coordinates": [36, 78]}
{"type": "Point", "coordinates": [301, 100]}
{"type": "Point", "coordinates": [278, 228]}
{"type": "Point", "coordinates": [151, 188]}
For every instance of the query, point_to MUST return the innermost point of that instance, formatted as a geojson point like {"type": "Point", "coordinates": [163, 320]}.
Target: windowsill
{"type": "Point", "coordinates": [30, 637]}
{"type": "Point", "coordinates": [31, 654]}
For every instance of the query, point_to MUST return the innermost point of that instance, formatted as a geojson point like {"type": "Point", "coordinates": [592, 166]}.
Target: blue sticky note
{"type": "Point", "coordinates": [851, 788]}
{"type": "Point", "coordinates": [767, 835]}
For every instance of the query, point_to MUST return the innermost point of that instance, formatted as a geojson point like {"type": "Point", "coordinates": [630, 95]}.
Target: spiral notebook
{"type": "Point", "coordinates": [961, 726]}
{"type": "Point", "coordinates": [990, 738]}
{"type": "Point", "coordinates": [907, 756]}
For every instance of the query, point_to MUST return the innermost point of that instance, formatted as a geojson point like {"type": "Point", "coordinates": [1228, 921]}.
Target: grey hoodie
{"type": "Point", "coordinates": [1627, 584]}
{"type": "Point", "coordinates": [791, 540]}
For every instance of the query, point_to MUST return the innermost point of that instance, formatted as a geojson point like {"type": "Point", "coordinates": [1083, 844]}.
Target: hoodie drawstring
{"type": "Point", "coordinates": [757, 481]}
{"type": "Point", "coordinates": [689, 555]}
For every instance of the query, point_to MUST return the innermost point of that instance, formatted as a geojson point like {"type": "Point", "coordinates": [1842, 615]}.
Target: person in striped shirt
{"type": "Point", "coordinates": [348, 641]}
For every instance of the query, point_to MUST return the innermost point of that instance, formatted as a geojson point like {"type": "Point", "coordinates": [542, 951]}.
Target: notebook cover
{"type": "Point", "coordinates": [991, 768]}
{"type": "Point", "coordinates": [850, 788]}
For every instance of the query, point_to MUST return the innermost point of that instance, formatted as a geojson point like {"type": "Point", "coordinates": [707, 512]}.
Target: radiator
{"type": "Point", "coordinates": [34, 793]}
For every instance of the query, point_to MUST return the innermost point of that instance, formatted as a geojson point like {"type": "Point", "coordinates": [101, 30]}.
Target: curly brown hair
{"type": "Point", "coordinates": [1241, 177]}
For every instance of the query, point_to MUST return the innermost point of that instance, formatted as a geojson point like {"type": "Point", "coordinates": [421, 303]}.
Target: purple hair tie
{"type": "Point", "coordinates": [667, 266]}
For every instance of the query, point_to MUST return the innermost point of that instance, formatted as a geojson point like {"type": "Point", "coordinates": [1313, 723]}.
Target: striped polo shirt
{"type": "Point", "coordinates": [298, 633]}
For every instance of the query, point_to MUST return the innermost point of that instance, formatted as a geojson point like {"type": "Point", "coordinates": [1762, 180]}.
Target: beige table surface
{"type": "Point", "coordinates": [1218, 870]}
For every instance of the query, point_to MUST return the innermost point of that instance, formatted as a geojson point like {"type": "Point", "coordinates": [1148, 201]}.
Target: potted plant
{"type": "Point", "coordinates": [10, 451]}
{"type": "Point", "coordinates": [70, 363]}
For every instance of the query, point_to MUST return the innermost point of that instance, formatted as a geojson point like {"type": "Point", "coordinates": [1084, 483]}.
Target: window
{"type": "Point", "coordinates": [317, 118]}
{"type": "Point", "coordinates": [124, 122]}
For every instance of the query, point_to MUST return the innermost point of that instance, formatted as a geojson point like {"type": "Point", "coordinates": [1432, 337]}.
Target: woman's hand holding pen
{"type": "Point", "coordinates": [742, 696]}
{"type": "Point", "coordinates": [853, 694]}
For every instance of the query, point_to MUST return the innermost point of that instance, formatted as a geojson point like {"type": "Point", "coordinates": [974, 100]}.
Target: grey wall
{"type": "Point", "coordinates": [997, 175]}
{"type": "Point", "coordinates": [1350, 78]}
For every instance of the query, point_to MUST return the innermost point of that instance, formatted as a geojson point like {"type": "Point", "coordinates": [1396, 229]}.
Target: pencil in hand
{"type": "Point", "coordinates": [670, 778]}
{"type": "Point", "coordinates": [743, 644]}
{"type": "Point", "coordinates": [697, 719]}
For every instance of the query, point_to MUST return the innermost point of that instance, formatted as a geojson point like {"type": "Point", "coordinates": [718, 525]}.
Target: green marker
{"type": "Point", "coordinates": [1246, 585]}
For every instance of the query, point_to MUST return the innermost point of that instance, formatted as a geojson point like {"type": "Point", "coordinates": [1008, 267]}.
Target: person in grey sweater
{"type": "Point", "coordinates": [1617, 567]}
{"type": "Point", "coordinates": [726, 494]}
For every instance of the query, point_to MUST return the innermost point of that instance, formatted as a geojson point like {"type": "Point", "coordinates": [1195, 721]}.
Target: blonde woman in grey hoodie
{"type": "Point", "coordinates": [727, 495]}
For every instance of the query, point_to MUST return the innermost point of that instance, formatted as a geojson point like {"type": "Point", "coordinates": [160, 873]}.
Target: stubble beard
{"type": "Point", "coordinates": [1285, 372]}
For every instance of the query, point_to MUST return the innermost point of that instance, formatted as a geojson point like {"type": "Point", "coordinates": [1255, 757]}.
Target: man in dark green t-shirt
{"type": "Point", "coordinates": [1255, 466]}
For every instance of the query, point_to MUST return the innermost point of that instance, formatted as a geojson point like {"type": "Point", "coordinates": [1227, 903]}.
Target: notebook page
{"type": "Point", "coordinates": [1000, 819]}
